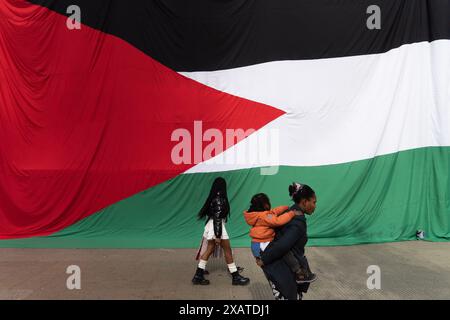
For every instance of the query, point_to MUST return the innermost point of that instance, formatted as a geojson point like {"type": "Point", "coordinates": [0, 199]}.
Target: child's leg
{"type": "Point", "coordinates": [292, 262]}
{"type": "Point", "coordinates": [256, 249]}
{"type": "Point", "coordinates": [304, 264]}
{"type": "Point", "coordinates": [305, 275]}
{"type": "Point", "coordinates": [300, 268]}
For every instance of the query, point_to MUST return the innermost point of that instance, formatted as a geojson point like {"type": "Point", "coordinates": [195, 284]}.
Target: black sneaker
{"type": "Point", "coordinates": [310, 277]}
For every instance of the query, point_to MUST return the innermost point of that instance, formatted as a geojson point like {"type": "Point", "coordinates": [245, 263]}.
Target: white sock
{"type": "Point", "coordinates": [232, 267]}
{"type": "Point", "coordinates": [202, 264]}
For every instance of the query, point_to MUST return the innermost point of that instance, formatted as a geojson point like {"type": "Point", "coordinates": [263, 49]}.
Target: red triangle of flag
{"type": "Point", "coordinates": [88, 119]}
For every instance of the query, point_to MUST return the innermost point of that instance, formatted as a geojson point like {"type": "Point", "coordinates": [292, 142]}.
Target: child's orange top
{"type": "Point", "coordinates": [263, 222]}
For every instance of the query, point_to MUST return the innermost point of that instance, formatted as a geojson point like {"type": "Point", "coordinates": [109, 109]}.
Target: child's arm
{"type": "Point", "coordinates": [274, 221]}
{"type": "Point", "coordinates": [279, 210]}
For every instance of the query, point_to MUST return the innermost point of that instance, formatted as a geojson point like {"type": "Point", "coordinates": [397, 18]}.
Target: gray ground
{"type": "Point", "coordinates": [409, 270]}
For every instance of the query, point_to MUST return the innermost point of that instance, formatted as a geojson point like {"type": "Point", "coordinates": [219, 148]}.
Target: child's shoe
{"type": "Point", "coordinates": [305, 276]}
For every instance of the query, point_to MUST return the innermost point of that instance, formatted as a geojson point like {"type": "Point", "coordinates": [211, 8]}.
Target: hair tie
{"type": "Point", "coordinates": [297, 188]}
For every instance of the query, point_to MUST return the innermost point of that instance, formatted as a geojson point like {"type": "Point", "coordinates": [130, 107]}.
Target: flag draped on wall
{"type": "Point", "coordinates": [88, 115]}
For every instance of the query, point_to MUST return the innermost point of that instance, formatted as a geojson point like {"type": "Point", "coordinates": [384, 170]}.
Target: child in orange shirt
{"type": "Point", "coordinates": [263, 219]}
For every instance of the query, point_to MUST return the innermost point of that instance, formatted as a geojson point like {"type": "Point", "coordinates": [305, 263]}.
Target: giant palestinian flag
{"type": "Point", "coordinates": [116, 116]}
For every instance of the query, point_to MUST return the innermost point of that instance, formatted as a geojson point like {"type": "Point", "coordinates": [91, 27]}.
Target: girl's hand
{"type": "Point", "coordinates": [218, 241]}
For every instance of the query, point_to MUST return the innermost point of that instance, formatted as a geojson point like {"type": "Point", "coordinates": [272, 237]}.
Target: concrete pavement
{"type": "Point", "coordinates": [409, 270]}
